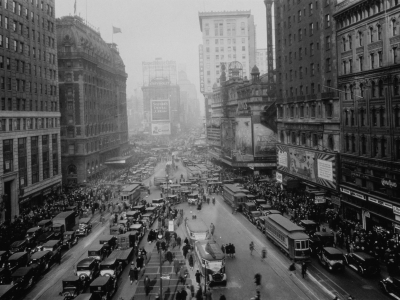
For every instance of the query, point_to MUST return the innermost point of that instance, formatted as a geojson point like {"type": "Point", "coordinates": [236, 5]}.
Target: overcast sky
{"type": "Point", "coordinates": [158, 28]}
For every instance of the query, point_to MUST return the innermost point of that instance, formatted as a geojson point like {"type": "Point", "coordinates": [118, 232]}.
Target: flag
{"type": "Point", "coordinates": [116, 30]}
{"type": "Point", "coordinates": [75, 8]}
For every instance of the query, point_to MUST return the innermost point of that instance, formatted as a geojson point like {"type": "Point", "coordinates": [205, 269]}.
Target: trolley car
{"type": "Point", "coordinates": [289, 237]}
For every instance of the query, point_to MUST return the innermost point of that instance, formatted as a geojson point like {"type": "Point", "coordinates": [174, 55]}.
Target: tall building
{"type": "Point", "coordinates": [92, 85]}
{"type": "Point", "coordinates": [161, 98]}
{"type": "Point", "coordinates": [190, 108]}
{"type": "Point", "coordinates": [262, 60]}
{"type": "Point", "coordinates": [29, 111]}
{"type": "Point", "coordinates": [135, 112]}
{"type": "Point", "coordinates": [368, 35]}
{"type": "Point", "coordinates": [307, 102]}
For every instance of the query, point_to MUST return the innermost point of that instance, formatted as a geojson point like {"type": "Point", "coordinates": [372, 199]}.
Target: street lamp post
{"type": "Point", "coordinates": [160, 237]}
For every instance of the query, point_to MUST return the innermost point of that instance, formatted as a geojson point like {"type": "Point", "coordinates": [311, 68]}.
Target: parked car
{"type": "Point", "coordinates": [391, 286]}
{"type": "Point", "coordinates": [70, 239]}
{"type": "Point", "coordinates": [87, 270]}
{"type": "Point", "coordinates": [109, 241]}
{"type": "Point", "coordinates": [331, 258]}
{"type": "Point", "coordinates": [58, 230]}
{"type": "Point", "coordinates": [72, 286]}
{"type": "Point", "coordinates": [104, 287]}
{"type": "Point", "coordinates": [319, 240]}
{"type": "Point", "coordinates": [42, 259]}
{"type": "Point", "coordinates": [19, 246]}
{"type": "Point", "coordinates": [23, 278]}
{"type": "Point", "coordinates": [85, 227]}
{"type": "Point", "coordinates": [111, 267]}
{"type": "Point", "coordinates": [54, 246]}
{"type": "Point", "coordinates": [42, 239]}
{"type": "Point", "coordinates": [32, 234]}
{"type": "Point", "coordinates": [254, 216]}
{"type": "Point", "coordinates": [363, 263]}
{"type": "Point", "coordinates": [98, 252]}
{"type": "Point", "coordinates": [45, 225]}
{"type": "Point", "coordinates": [17, 260]}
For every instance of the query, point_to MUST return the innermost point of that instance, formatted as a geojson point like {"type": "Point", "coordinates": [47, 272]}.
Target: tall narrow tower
{"type": "Point", "coordinates": [270, 51]}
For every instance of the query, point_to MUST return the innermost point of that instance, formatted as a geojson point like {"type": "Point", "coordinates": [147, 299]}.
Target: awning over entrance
{"type": "Point", "coordinates": [119, 160]}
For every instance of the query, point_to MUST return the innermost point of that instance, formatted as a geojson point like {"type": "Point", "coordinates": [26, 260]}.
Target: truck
{"type": "Point", "coordinates": [159, 181]}
{"type": "Point", "coordinates": [66, 218]}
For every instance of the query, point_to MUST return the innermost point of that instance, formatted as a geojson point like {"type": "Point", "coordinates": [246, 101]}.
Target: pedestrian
{"type": "Point", "coordinates": [212, 228]}
{"type": "Point", "coordinates": [173, 242]}
{"type": "Point", "coordinates": [183, 273]}
{"type": "Point", "coordinates": [178, 241]}
{"type": "Point", "coordinates": [147, 286]}
{"type": "Point", "coordinates": [199, 294]}
{"type": "Point", "coordinates": [208, 294]}
{"type": "Point", "coordinates": [181, 295]}
{"type": "Point", "coordinates": [263, 254]}
{"type": "Point", "coordinates": [59, 257]}
{"type": "Point", "coordinates": [198, 276]}
{"type": "Point", "coordinates": [251, 246]}
{"type": "Point", "coordinates": [140, 262]}
{"type": "Point", "coordinates": [158, 245]}
{"type": "Point", "coordinates": [257, 281]}
{"type": "Point", "coordinates": [132, 273]}
{"type": "Point", "coordinates": [177, 266]}
{"type": "Point", "coordinates": [191, 261]}
{"type": "Point", "coordinates": [169, 256]}
{"type": "Point", "coordinates": [304, 269]}
{"type": "Point", "coordinates": [292, 268]}
{"type": "Point", "coordinates": [185, 250]}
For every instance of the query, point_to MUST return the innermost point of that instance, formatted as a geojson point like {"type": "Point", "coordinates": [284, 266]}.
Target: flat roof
{"type": "Point", "coordinates": [129, 188]}
{"type": "Point", "coordinates": [221, 14]}
{"type": "Point", "coordinates": [285, 223]}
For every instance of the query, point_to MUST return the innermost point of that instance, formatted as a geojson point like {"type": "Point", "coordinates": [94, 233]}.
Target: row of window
{"type": "Point", "coordinates": [23, 67]}
{"type": "Point", "coordinates": [221, 41]}
{"type": "Point", "coordinates": [18, 104]}
{"type": "Point", "coordinates": [26, 86]}
{"type": "Point", "coordinates": [306, 111]}
{"type": "Point", "coordinates": [19, 47]}
{"type": "Point", "coordinates": [230, 28]}
{"type": "Point", "coordinates": [229, 49]}
{"type": "Point", "coordinates": [17, 8]}
{"type": "Point", "coordinates": [378, 146]}
{"type": "Point", "coordinates": [306, 139]}
{"type": "Point", "coordinates": [27, 124]}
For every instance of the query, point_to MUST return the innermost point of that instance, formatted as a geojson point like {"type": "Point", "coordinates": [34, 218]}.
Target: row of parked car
{"type": "Point", "coordinates": [27, 260]}
{"type": "Point", "coordinates": [322, 245]}
{"type": "Point", "coordinates": [100, 271]}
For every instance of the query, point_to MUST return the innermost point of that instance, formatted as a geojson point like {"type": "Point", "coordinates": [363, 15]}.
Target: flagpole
{"type": "Point", "coordinates": [112, 36]}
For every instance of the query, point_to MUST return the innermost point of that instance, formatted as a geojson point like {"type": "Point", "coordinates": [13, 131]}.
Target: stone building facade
{"type": "Point", "coordinates": [368, 40]}
{"type": "Point", "coordinates": [92, 85]}
{"type": "Point", "coordinates": [307, 101]}
{"type": "Point", "coordinates": [29, 107]}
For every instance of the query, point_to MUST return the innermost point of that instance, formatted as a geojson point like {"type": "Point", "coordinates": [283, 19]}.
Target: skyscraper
{"type": "Point", "coordinates": [29, 107]}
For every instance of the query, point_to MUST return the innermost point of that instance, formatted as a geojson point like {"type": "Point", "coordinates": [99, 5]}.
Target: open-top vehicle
{"type": "Point", "coordinates": [84, 227]}
{"type": "Point", "coordinates": [87, 270]}
{"type": "Point", "coordinates": [23, 278]}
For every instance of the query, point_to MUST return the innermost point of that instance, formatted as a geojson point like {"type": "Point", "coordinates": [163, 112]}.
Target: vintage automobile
{"type": "Point", "coordinates": [87, 270]}
{"type": "Point", "coordinates": [70, 239]}
{"type": "Point", "coordinates": [104, 287]}
{"type": "Point", "coordinates": [310, 226]}
{"type": "Point", "coordinates": [247, 208]}
{"type": "Point", "coordinates": [72, 286]}
{"type": "Point", "coordinates": [139, 228]}
{"type": "Point", "coordinates": [259, 202]}
{"type": "Point", "coordinates": [98, 252]}
{"type": "Point", "coordinates": [85, 227]}
{"type": "Point", "coordinates": [42, 259]}
{"type": "Point", "coordinates": [111, 267]}
{"type": "Point", "coordinates": [321, 239]}
{"type": "Point", "coordinates": [7, 292]}
{"type": "Point", "coordinates": [45, 225]}
{"type": "Point", "coordinates": [124, 224]}
{"type": "Point", "coordinates": [74, 209]}
{"type": "Point", "coordinates": [58, 230]}
{"type": "Point", "coordinates": [4, 255]}
{"type": "Point", "coordinates": [192, 199]}
{"type": "Point", "coordinates": [155, 210]}
{"type": "Point", "coordinates": [391, 286]}
{"type": "Point", "coordinates": [109, 242]}
{"type": "Point", "coordinates": [42, 239]}
{"type": "Point", "coordinates": [32, 234]}
{"type": "Point", "coordinates": [270, 212]}
{"type": "Point", "coordinates": [148, 218]}
{"type": "Point", "coordinates": [19, 246]}
{"type": "Point", "coordinates": [54, 246]}
{"type": "Point", "coordinates": [260, 223]}
{"type": "Point", "coordinates": [157, 202]}
{"type": "Point", "coordinates": [17, 260]}
{"type": "Point", "coordinates": [331, 258]}
{"type": "Point", "coordinates": [132, 215]}
{"type": "Point", "coordinates": [363, 263]}
{"type": "Point", "coordinates": [254, 216]}
{"type": "Point", "coordinates": [23, 278]}
{"type": "Point", "coordinates": [140, 208]}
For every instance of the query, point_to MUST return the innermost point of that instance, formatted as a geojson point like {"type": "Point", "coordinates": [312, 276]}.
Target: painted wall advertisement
{"type": "Point", "coordinates": [160, 110]}
{"type": "Point", "coordinates": [264, 140]}
{"type": "Point", "coordinates": [309, 165]}
{"type": "Point", "coordinates": [243, 140]}
{"type": "Point", "coordinates": [160, 128]}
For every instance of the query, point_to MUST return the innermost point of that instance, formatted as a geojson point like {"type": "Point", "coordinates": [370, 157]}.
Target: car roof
{"type": "Point", "coordinates": [69, 232]}
{"type": "Point", "coordinates": [17, 243]}
{"type": "Point", "coordinates": [323, 234]}
{"type": "Point", "coordinates": [51, 243]}
{"type": "Point", "coordinates": [107, 238]}
{"type": "Point", "coordinates": [332, 250]}
{"type": "Point", "coordinates": [96, 247]}
{"type": "Point", "coordinates": [39, 254]}
{"type": "Point", "coordinates": [86, 262]}
{"type": "Point", "coordinates": [33, 229]}
{"type": "Point", "coordinates": [108, 261]}
{"type": "Point", "coordinates": [44, 221]}
{"type": "Point", "coordinates": [71, 278]}
{"type": "Point", "coordinates": [58, 225]}
{"type": "Point", "coordinates": [362, 255]}
{"type": "Point", "coordinates": [22, 271]}
{"type": "Point", "coordinates": [100, 281]}
{"type": "Point", "coordinates": [17, 255]}
{"type": "Point", "coordinates": [308, 222]}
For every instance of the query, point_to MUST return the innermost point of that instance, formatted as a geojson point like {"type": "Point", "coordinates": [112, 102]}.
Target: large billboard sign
{"type": "Point", "coordinates": [317, 167]}
{"type": "Point", "coordinates": [161, 128]}
{"type": "Point", "coordinates": [243, 140]}
{"type": "Point", "coordinates": [264, 140]}
{"type": "Point", "coordinates": [160, 110]}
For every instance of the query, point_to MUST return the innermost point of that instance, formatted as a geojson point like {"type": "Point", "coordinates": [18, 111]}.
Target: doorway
{"type": "Point", "coordinates": [7, 200]}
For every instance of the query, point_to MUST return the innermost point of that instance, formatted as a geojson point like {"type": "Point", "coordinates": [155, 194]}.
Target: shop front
{"type": "Point", "coordinates": [37, 198]}
{"type": "Point", "coordinates": [381, 214]}
{"type": "Point", "coordinates": [352, 205]}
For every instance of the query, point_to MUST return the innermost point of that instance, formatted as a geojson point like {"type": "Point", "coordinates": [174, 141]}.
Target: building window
{"type": "Point", "coordinates": [329, 109]}
{"type": "Point", "coordinates": [371, 34]}
{"type": "Point", "coordinates": [293, 138]}
{"type": "Point", "coordinates": [363, 145]}
{"type": "Point", "coordinates": [346, 117]}
{"type": "Point", "coordinates": [396, 86]}
{"type": "Point", "coordinates": [361, 62]}
{"type": "Point", "coordinates": [372, 60]}
{"type": "Point", "coordinates": [347, 143]}
{"type": "Point", "coordinates": [374, 114]}
{"type": "Point", "coordinates": [328, 65]}
{"type": "Point", "coordinates": [379, 27]}
{"type": "Point", "coordinates": [45, 156]}
{"type": "Point", "coordinates": [394, 28]}
{"type": "Point", "coordinates": [380, 88]}
{"type": "Point", "coordinates": [328, 42]}
{"type": "Point", "coordinates": [382, 117]}
{"type": "Point", "coordinates": [313, 110]}
{"type": "Point", "coordinates": [331, 142]}
{"type": "Point", "coordinates": [314, 139]}
{"type": "Point", "coordinates": [303, 139]}
{"type": "Point", "coordinates": [22, 162]}
{"type": "Point", "coordinates": [327, 20]}
{"type": "Point", "coordinates": [8, 156]}
{"type": "Point", "coordinates": [360, 38]}
{"type": "Point", "coordinates": [362, 117]}
{"type": "Point", "coordinates": [395, 55]}
{"type": "Point", "coordinates": [344, 44]}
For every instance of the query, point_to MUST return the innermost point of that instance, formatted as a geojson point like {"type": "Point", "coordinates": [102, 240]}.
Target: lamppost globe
{"type": "Point", "coordinates": [160, 236]}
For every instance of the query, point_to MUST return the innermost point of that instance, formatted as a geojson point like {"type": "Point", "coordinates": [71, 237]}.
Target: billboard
{"type": "Point", "coordinates": [317, 167]}
{"type": "Point", "coordinates": [227, 137]}
{"type": "Point", "coordinates": [160, 128]}
{"type": "Point", "coordinates": [264, 140]}
{"type": "Point", "coordinates": [243, 140]}
{"type": "Point", "coordinates": [160, 110]}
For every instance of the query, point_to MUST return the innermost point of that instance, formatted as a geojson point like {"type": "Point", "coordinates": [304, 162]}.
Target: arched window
{"type": "Point", "coordinates": [374, 116]}
{"type": "Point", "coordinates": [350, 42]}
{"type": "Point", "coordinates": [379, 29]}
{"type": "Point", "coordinates": [363, 145]}
{"type": "Point", "coordinates": [373, 88]}
{"type": "Point", "coordinates": [371, 34]}
{"type": "Point", "coordinates": [394, 27]}
{"type": "Point", "coordinates": [360, 38]}
{"type": "Point", "coordinates": [351, 92]}
{"type": "Point", "coordinates": [346, 117]}
{"type": "Point", "coordinates": [344, 44]}
{"type": "Point", "coordinates": [331, 143]}
{"type": "Point", "coordinates": [72, 170]}
{"type": "Point", "coordinates": [382, 117]}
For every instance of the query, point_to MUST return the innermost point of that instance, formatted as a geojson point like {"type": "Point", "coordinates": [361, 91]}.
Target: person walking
{"type": "Point", "coordinates": [183, 273]}
{"type": "Point", "coordinates": [292, 268]}
{"type": "Point", "coordinates": [147, 285]}
{"type": "Point", "coordinates": [212, 229]}
{"type": "Point", "coordinates": [177, 266]}
{"type": "Point", "coordinates": [208, 294]}
{"type": "Point", "coordinates": [263, 253]}
{"type": "Point", "coordinates": [303, 269]}
{"type": "Point", "coordinates": [251, 246]}
{"type": "Point", "coordinates": [191, 261]}
{"type": "Point", "coordinates": [133, 273]}
{"type": "Point", "coordinates": [198, 276]}
{"type": "Point", "coordinates": [257, 281]}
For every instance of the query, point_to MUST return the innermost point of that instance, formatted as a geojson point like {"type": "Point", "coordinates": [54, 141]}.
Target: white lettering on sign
{"type": "Point", "coordinates": [389, 183]}
{"type": "Point", "coordinates": [345, 191]}
{"type": "Point", "coordinates": [325, 170]}
{"type": "Point", "coordinates": [396, 210]}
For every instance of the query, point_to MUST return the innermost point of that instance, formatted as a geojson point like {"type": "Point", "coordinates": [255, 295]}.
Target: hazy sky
{"type": "Point", "coordinates": [158, 28]}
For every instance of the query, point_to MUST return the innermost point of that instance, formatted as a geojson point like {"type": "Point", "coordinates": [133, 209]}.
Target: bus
{"type": "Point", "coordinates": [211, 260]}
{"type": "Point", "coordinates": [289, 237]}
{"type": "Point", "coordinates": [196, 230]}
{"type": "Point", "coordinates": [234, 196]}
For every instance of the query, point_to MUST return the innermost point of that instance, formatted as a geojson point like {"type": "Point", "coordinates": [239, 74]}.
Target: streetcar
{"type": "Point", "coordinates": [288, 236]}
{"type": "Point", "coordinates": [234, 196]}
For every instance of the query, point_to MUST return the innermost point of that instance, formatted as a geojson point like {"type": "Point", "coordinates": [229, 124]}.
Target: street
{"type": "Point", "coordinates": [230, 228]}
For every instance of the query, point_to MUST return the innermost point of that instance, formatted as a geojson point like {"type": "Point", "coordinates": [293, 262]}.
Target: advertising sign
{"type": "Point", "coordinates": [317, 167]}
{"type": "Point", "coordinates": [279, 177]}
{"type": "Point", "coordinates": [160, 128]}
{"type": "Point", "coordinates": [160, 110]}
{"type": "Point", "coordinates": [243, 140]}
{"type": "Point", "coordinates": [264, 140]}
{"type": "Point", "coordinates": [227, 137]}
